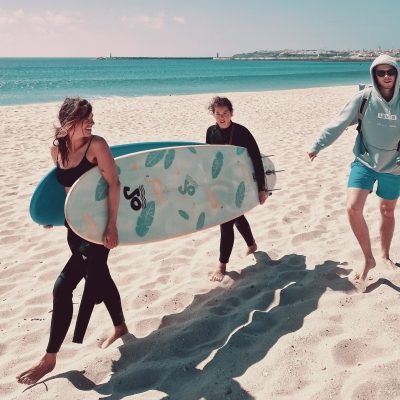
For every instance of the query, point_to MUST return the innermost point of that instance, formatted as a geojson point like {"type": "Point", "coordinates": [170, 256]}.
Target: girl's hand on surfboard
{"type": "Point", "coordinates": [110, 237]}
{"type": "Point", "coordinates": [263, 196]}
{"type": "Point", "coordinates": [312, 155]}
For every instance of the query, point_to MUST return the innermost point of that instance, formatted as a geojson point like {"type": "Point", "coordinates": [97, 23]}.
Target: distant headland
{"type": "Point", "coordinates": [312, 55]}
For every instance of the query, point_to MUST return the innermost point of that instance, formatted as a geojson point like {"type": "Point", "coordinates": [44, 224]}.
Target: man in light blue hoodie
{"type": "Point", "coordinates": [376, 153]}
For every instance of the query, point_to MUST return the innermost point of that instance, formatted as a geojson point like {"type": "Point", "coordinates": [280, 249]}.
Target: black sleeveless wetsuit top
{"type": "Point", "coordinates": [67, 177]}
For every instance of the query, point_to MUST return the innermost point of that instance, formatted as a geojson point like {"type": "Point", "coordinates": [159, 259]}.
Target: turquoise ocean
{"type": "Point", "coordinates": [41, 80]}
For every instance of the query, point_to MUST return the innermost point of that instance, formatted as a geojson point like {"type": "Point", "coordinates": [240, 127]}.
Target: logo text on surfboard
{"type": "Point", "coordinates": [137, 197]}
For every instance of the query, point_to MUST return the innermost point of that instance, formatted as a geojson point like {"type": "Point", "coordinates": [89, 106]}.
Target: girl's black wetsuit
{"type": "Point", "coordinates": [237, 135]}
{"type": "Point", "coordinates": [89, 261]}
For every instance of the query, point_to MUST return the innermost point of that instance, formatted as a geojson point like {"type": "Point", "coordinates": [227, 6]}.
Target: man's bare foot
{"type": "Point", "coordinates": [369, 264]}
{"type": "Point", "coordinates": [219, 274]}
{"type": "Point", "coordinates": [119, 331]}
{"type": "Point", "coordinates": [251, 249]}
{"type": "Point", "coordinates": [45, 365]}
{"type": "Point", "coordinates": [390, 264]}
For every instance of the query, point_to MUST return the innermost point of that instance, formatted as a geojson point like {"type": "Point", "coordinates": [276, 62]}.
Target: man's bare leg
{"type": "Point", "coordinates": [119, 331]}
{"type": "Point", "coordinates": [45, 365]}
{"type": "Point", "coordinates": [355, 206]}
{"type": "Point", "coordinates": [387, 229]}
{"type": "Point", "coordinates": [363, 273]}
{"type": "Point", "coordinates": [219, 274]}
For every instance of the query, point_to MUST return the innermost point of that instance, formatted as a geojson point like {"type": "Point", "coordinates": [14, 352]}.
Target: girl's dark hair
{"type": "Point", "coordinates": [219, 102]}
{"type": "Point", "coordinates": [72, 111]}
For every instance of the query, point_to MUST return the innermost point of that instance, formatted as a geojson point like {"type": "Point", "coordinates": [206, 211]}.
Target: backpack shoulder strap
{"type": "Point", "coordinates": [361, 111]}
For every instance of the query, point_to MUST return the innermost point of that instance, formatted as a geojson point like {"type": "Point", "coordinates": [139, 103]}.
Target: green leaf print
{"type": "Point", "coordinates": [183, 214]}
{"type": "Point", "coordinates": [240, 195]}
{"type": "Point", "coordinates": [169, 159]}
{"type": "Point", "coordinates": [201, 220]}
{"type": "Point", "coordinates": [145, 219]}
{"type": "Point", "coordinates": [240, 150]}
{"type": "Point", "coordinates": [102, 187]}
{"type": "Point", "coordinates": [153, 158]}
{"type": "Point", "coordinates": [101, 190]}
{"type": "Point", "coordinates": [192, 150]}
{"type": "Point", "coordinates": [217, 164]}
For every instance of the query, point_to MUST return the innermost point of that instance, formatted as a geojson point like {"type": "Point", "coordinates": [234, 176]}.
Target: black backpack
{"type": "Point", "coordinates": [361, 111]}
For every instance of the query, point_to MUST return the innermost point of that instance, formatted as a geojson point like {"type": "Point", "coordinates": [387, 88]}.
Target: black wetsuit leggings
{"type": "Point", "coordinates": [228, 237]}
{"type": "Point", "coordinates": [89, 261]}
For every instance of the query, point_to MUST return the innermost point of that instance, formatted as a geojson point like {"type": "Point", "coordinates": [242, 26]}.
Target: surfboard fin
{"type": "Point", "coordinates": [271, 190]}
{"type": "Point", "coordinates": [271, 172]}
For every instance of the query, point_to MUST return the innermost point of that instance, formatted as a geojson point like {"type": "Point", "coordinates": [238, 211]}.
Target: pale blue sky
{"type": "Point", "coordinates": [193, 27]}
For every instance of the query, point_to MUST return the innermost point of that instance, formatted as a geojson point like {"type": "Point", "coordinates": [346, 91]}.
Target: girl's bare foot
{"type": "Point", "coordinates": [369, 264]}
{"type": "Point", "coordinates": [45, 365]}
{"type": "Point", "coordinates": [119, 331]}
{"type": "Point", "coordinates": [219, 274]}
{"type": "Point", "coordinates": [251, 249]}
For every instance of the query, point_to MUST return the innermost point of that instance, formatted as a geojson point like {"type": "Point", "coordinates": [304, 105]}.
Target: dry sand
{"type": "Point", "coordinates": [286, 323]}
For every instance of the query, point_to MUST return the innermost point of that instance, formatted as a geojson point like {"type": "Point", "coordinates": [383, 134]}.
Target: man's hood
{"type": "Point", "coordinates": [389, 60]}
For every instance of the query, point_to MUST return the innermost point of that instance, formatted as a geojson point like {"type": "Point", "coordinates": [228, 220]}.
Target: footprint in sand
{"type": "Point", "coordinates": [145, 298]}
{"type": "Point", "coordinates": [10, 239]}
{"type": "Point", "coordinates": [353, 351]}
{"type": "Point", "coordinates": [306, 237]}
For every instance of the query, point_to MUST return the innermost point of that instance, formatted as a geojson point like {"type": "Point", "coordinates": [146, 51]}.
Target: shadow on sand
{"type": "Point", "coordinates": [379, 282]}
{"type": "Point", "coordinates": [237, 326]}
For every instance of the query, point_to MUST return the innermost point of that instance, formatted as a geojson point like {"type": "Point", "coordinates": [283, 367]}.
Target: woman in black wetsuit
{"type": "Point", "coordinates": [225, 131]}
{"type": "Point", "coordinates": [75, 151]}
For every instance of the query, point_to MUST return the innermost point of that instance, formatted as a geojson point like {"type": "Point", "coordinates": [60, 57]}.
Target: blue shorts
{"type": "Point", "coordinates": [362, 177]}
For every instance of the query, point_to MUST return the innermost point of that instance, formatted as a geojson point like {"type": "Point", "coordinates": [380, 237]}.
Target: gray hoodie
{"type": "Point", "coordinates": [380, 125]}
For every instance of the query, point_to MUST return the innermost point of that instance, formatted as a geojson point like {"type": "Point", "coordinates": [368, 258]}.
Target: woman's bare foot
{"type": "Point", "coordinates": [45, 365]}
{"type": "Point", "coordinates": [119, 331]}
{"type": "Point", "coordinates": [390, 264]}
{"type": "Point", "coordinates": [219, 274]}
{"type": "Point", "coordinates": [369, 264]}
{"type": "Point", "coordinates": [251, 249]}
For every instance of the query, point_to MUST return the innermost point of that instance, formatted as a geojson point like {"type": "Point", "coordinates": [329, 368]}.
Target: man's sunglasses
{"type": "Point", "coordinates": [389, 72]}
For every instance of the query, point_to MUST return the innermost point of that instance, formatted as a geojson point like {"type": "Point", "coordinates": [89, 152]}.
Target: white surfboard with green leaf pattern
{"type": "Point", "coordinates": [168, 192]}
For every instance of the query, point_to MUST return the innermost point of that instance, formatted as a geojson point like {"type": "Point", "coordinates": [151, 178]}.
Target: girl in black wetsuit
{"type": "Point", "coordinates": [75, 151]}
{"type": "Point", "coordinates": [225, 131]}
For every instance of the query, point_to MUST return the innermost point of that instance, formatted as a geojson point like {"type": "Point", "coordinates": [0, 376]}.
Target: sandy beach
{"type": "Point", "coordinates": [285, 323]}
